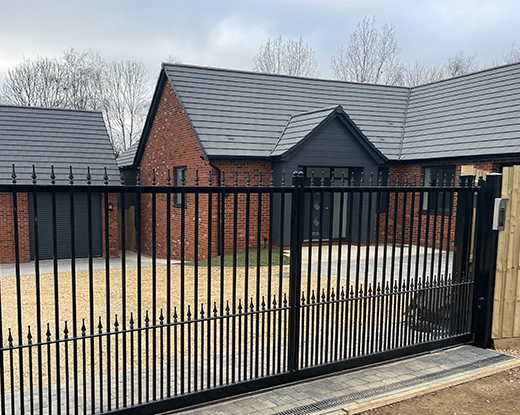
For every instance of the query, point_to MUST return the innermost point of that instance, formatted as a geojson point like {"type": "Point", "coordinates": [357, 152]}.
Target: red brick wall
{"type": "Point", "coordinates": [442, 226]}
{"type": "Point", "coordinates": [172, 143]}
{"type": "Point", "coordinates": [113, 234]}
{"type": "Point", "coordinates": [7, 245]}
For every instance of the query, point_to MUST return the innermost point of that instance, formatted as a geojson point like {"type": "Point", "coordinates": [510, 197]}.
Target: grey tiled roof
{"type": "Point", "coordinates": [244, 114]}
{"type": "Point", "coordinates": [62, 138]}
{"type": "Point", "coordinates": [472, 115]}
{"type": "Point", "coordinates": [127, 157]}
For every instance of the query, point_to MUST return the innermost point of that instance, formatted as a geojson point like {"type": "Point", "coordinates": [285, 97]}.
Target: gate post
{"type": "Point", "coordinates": [484, 258]}
{"type": "Point", "coordinates": [295, 268]}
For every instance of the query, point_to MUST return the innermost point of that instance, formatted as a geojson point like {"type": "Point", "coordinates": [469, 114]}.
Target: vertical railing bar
{"type": "Point", "coordinates": [18, 294]}
{"type": "Point", "coordinates": [417, 336]}
{"type": "Point", "coordinates": [359, 287]}
{"type": "Point", "coordinates": [188, 326]}
{"type": "Point", "coordinates": [56, 289]}
{"type": "Point", "coordinates": [269, 279]}
{"type": "Point", "coordinates": [84, 364]}
{"type": "Point", "coordinates": [400, 299]}
{"type": "Point", "coordinates": [182, 287]}
{"type": "Point", "coordinates": [293, 338]}
{"type": "Point", "coordinates": [349, 345]}
{"type": "Point", "coordinates": [175, 351]}
{"type": "Point", "coordinates": [107, 285]}
{"type": "Point", "coordinates": [196, 286]}
{"type": "Point", "coordinates": [215, 355]}
{"type": "Point", "coordinates": [208, 299]}
{"type": "Point", "coordinates": [258, 276]}
{"type": "Point", "coordinates": [376, 298]}
{"type": "Point", "coordinates": [433, 277]}
{"type": "Point", "coordinates": [409, 270]}
{"type": "Point", "coordinates": [132, 363]}
{"type": "Point", "coordinates": [328, 354]}
{"type": "Point", "coordinates": [154, 286]}
{"type": "Point", "coordinates": [367, 331]}
{"type": "Point", "coordinates": [309, 343]}
{"type": "Point", "coordinates": [448, 242]}
{"type": "Point", "coordinates": [116, 347]}
{"type": "Point", "coordinates": [202, 337]}
{"type": "Point", "coordinates": [384, 299]}
{"type": "Point", "coordinates": [100, 355]}
{"type": "Point", "coordinates": [2, 373]}
{"type": "Point", "coordinates": [147, 356]}
{"type": "Point", "coordinates": [74, 288]}
{"type": "Point", "coordinates": [235, 236]}
{"type": "Point", "coordinates": [433, 289]}
{"type": "Point", "coordinates": [49, 372]}
{"type": "Point", "coordinates": [246, 278]}
{"type": "Point", "coordinates": [31, 374]}
{"type": "Point", "coordinates": [139, 302]}
{"type": "Point", "coordinates": [425, 259]}
{"type": "Point", "coordinates": [280, 283]}
{"type": "Point", "coordinates": [222, 277]}
{"type": "Point", "coordinates": [319, 340]}
{"type": "Point", "coordinates": [391, 337]}
{"type": "Point", "coordinates": [168, 285]}
{"type": "Point", "coordinates": [11, 373]}
{"type": "Point", "coordinates": [338, 274]}
{"type": "Point", "coordinates": [38, 304]}
{"type": "Point", "coordinates": [440, 277]}
{"type": "Point", "coordinates": [449, 278]}
{"type": "Point", "coordinates": [441, 240]}
{"type": "Point", "coordinates": [123, 292]}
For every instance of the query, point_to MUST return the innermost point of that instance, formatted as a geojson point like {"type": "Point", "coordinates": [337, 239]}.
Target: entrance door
{"type": "Point", "coordinates": [326, 205]}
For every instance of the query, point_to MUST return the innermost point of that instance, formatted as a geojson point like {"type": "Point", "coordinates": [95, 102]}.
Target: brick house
{"type": "Point", "coordinates": [60, 138]}
{"type": "Point", "coordinates": [210, 119]}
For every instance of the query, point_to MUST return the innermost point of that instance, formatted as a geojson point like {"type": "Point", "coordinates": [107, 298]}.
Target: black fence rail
{"type": "Point", "coordinates": [247, 285]}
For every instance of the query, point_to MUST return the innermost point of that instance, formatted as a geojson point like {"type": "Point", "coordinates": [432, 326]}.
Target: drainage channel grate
{"type": "Point", "coordinates": [355, 396]}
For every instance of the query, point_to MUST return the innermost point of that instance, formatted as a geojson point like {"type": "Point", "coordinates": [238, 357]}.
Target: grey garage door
{"type": "Point", "coordinates": [63, 229]}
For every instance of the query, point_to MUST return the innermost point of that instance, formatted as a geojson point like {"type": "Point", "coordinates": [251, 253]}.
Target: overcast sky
{"type": "Point", "coordinates": [229, 33]}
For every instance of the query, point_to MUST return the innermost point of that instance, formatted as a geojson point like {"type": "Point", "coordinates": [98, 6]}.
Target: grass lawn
{"type": "Point", "coordinates": [241, 259]}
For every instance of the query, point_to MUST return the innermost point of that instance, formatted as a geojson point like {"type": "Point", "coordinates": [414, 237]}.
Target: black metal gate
{"type": "Point", "coordinates": [148, 337]}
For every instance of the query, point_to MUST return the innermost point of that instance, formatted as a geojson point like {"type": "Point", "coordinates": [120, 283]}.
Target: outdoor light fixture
{"type": "Point", "coordinates": [110, 206]}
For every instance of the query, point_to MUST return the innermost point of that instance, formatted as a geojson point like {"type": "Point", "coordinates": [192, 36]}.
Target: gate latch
{"type": "Point", "coordinates": [499, 214]}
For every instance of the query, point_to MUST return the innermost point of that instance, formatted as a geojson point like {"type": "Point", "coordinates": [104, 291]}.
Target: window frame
{"type": "Point", "coordinates": [426, 203]}
{"type": "Point", "coordinates": [177, 182]}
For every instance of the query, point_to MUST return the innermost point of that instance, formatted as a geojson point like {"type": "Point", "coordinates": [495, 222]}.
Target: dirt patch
{"type": "Point", "coordinates": [497, 394]}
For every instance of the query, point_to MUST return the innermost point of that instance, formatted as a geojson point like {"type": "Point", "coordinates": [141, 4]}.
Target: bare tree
{"type": "Point", "coordinates": [460, 64]}
{"type": "Point", "coordinates": [420, 74]}
{"type": "Point", "coordinates": [125, 102]}
{"type": "Point", "coordinates": [171, 58]}
{"type": "Point", "coordinates": [511, 56]}
{"type": "Point", "coordinates": [85, 81]}
{"type": "Point", "coordinates": [289, 58]}
{"type": "Point", "coordinates": [370, 56]}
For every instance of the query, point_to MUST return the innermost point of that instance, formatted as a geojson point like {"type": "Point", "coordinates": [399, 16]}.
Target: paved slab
{"type": "Point", "coordinates": [364, 388]}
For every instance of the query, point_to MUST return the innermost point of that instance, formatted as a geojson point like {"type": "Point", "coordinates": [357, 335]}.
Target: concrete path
{"type": "Point", "coordinates": [81, 264]}
{"type": "Point", "coordinates": [360, 390]}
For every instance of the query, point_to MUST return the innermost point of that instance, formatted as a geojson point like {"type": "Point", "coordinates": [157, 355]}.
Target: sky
{"type": "Point", "coordinates": [229, 33]}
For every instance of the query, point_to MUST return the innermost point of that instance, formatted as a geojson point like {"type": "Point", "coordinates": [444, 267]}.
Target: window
{"type": "Point", "coordinates": [179, 178]}
{"type": "Point", "coordinates": [438, 202]}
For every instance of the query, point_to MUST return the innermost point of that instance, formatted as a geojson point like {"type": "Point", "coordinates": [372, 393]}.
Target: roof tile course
{"type": "Point", "coordinates": [57, 137]}
{"type": "Point", "coordinates": [266, 115]}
